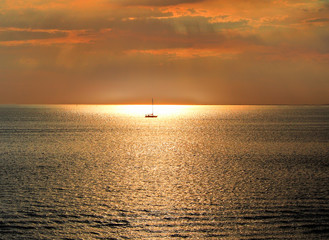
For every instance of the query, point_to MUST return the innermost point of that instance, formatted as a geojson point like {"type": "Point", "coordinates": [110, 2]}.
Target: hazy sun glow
{"type": "Point", "coordinates": [132, 110]}
{"type": "Point", "coordinates": [161, 110]}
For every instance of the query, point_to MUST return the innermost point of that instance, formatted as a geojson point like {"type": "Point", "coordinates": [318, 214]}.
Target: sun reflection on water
{"type": "Point", "coordinates": [141, 110]}
{"type": "Point", "coordinates": [197, 172]}
{"type": "Point", "coordinates": [133, 110]}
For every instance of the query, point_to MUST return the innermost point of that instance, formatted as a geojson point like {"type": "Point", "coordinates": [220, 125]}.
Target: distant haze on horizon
{"type": "Point", "coordinates": [177, 51]}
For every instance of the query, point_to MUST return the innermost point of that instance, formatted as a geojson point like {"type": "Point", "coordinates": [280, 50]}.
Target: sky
{"type": "Point", "coordinates": [177, 51]}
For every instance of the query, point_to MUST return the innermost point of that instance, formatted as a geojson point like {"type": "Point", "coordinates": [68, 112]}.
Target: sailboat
{"type": "Point", "coordinates": [151, 115]}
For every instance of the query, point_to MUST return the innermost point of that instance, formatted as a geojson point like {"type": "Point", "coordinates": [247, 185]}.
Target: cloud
{"type": "Point", "coordinates": [317, 20]}
{"type": "Point", "coordinates": [157, 3]}
{"type": "Point", "coordinates": [18, 36]}
{"type": "Point", "coordinates": [102, 51]}
{"type": "Point", "coordinates": [12, 34]}
{"type": "Point", "coordinates": [48, 19]}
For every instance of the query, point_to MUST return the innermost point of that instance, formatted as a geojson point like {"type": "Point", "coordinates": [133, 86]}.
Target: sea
{"type": "Point", "coordinates": [194, 172]}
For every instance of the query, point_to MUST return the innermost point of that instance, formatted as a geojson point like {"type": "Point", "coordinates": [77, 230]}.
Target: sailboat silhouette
{"type": "Point", "coordinates": [151, 115]}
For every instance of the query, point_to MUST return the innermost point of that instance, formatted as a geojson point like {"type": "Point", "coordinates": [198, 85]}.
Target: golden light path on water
{"type": "Point", "coordinates": [195, 172]}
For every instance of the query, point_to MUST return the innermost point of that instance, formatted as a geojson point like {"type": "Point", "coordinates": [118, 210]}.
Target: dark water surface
{"type": "Point", "coordinates": [198, 172]}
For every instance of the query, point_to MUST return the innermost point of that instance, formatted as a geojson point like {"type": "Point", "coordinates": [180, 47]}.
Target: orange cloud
{"type": "Point", "coordinates": [190, 52]}
{"type": "Point", "coordinates": [19, 36]}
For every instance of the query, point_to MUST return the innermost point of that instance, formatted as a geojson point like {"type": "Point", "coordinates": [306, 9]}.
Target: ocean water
{"type": "Point", "coordinates": [197, 172]}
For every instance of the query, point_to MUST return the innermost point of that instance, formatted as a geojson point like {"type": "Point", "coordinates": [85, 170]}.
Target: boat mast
{"type": "Point", "coordinates": [152, 106]}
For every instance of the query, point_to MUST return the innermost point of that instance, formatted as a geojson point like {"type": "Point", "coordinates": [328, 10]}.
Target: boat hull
{"type": "Point", "coordinates": [150, 116]}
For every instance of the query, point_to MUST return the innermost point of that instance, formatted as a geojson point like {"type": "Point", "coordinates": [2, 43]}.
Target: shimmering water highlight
{"type": "Point", "coordinates": [198, 172]}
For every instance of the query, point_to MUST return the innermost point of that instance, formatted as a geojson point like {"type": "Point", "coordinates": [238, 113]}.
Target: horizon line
{"type": "Point", "coordinates": [181, 104]}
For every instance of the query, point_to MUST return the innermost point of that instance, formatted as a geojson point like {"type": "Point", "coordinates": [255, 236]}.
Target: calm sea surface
{"type": "Point", "coordinates": [198, 172]}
